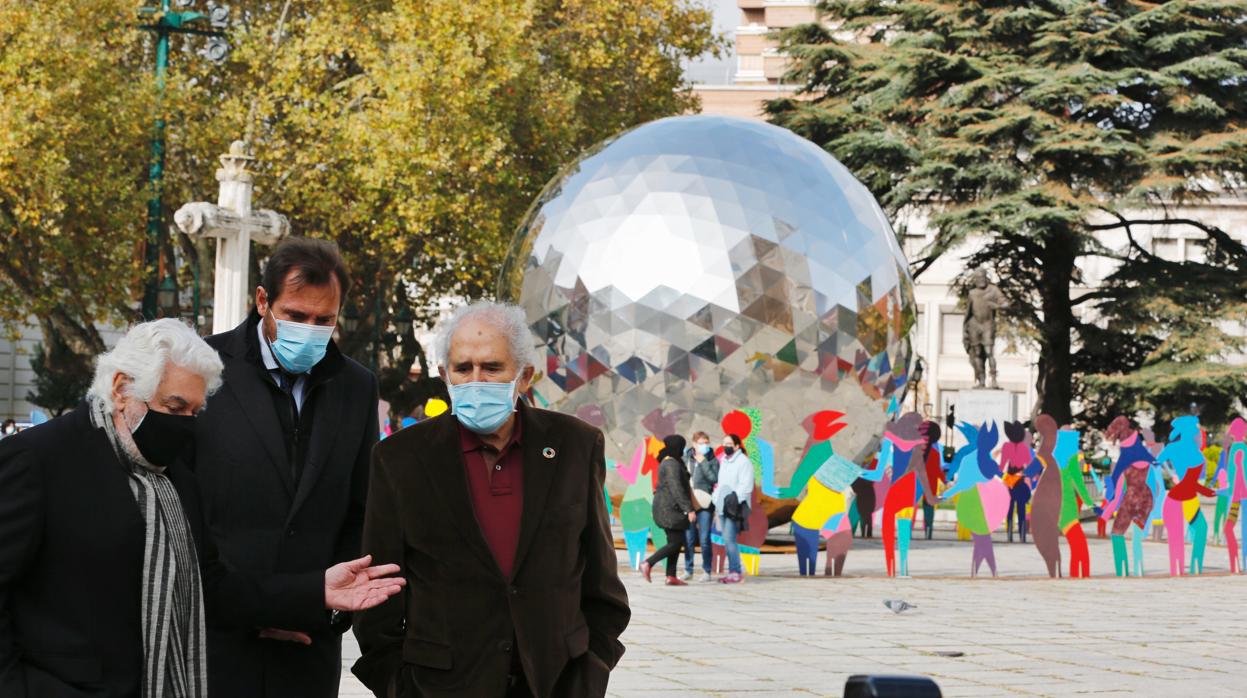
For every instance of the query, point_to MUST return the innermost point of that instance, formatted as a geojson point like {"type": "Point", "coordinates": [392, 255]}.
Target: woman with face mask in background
{"type": "Point", "coordinates": [673, 507]}
{"type": "Point", "coordinates": [731, 501]}
{"type": "Point", "coordinates": [704, 469]}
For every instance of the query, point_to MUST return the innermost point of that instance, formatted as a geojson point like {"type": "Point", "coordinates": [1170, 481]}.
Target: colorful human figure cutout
{"type": "Point", "coordinates": [936, 479]}
{"type": "Point", "coordinates": [1184, 456]}
{"type": "Point", "coordinates": [1129, 493]}
{"type": "Point", "coordinates": [1234, 485]}
{"type": "Point", "coordinates": [900, 438]}
{"type": "Point", "coordinates": [824, 512]}
{"type": "Point", "coordinates": [1015, 455]}
{"type": "Point", "coordinates": [865, 503]}
{"type": "Point", "coordinates": [911, 439]}
{"type": "Point", "coordinates": [1045, 517]}
{"type": "Point", "coordinates": [1074, 494]}
{"type": "Point", "coordinates": [635, 510]}
{"type": "Point", "coordinates": [1214, 457]}
{"type": "Point", "coordinates": [1157, 525]}
{"type": "Point", "coordinates": [982, 497]}
{"type": "Point", "coordinates": [820, 427]}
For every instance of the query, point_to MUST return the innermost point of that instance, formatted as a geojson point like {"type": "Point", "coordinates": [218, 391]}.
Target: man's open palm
{"type": "Point", "coordinates": [354, 586]}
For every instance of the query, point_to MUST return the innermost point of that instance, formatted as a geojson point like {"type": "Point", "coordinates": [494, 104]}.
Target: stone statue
{"type": "Point", "coordinates": [235, 226]}
{"type": "Point", "coordinates": [979, 331]}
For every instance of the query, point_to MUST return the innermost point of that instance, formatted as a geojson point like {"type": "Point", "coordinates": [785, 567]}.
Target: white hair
{"type": "Point", "coordinates": [143, 353]}
{"type": "Point", "coordinates": [508, 319]}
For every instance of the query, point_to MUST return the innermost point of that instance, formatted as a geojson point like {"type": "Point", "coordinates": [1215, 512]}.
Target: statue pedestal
{"type": "Point", "coordinates": [980, 405]}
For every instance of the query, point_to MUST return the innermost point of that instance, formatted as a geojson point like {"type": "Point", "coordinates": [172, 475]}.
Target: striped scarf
{"type": "Point", "coordinates": [174, 655]}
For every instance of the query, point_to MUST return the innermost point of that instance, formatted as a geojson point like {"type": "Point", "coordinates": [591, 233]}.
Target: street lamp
{"type": "Point", "coordinates": [916, 380]}
{"type": "Point", "coordinates": [167, 296]}
{"type": "Point", "coordinates": [162, 22]}
{"type": "Point", "coordinates": [350, 319]}
{"type": "Point", "coordinates": [402, 322]}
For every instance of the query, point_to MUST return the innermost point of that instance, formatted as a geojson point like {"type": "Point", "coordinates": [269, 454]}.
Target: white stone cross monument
{"type": "Point", "coordinates": [235, 225]}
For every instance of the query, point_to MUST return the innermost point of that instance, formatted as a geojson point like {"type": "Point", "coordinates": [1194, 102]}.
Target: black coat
{"type": "Point", "coordinates": [262, 522]}
{"type": "Point", "coordinates": [71, 560]}
{"type": "Point", "coordinates": [673, 498]}
{"type": "Point", "coordinates": [450, 632]}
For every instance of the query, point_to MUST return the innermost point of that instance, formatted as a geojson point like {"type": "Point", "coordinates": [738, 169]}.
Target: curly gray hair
{"type": "Point", "coordinates": [509, 319]}
{"type": "Point", "coordinates": [142, 355]}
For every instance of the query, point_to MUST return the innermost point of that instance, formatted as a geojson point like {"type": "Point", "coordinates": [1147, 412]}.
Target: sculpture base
{"type": "Point", "coordinates": [980, 405]}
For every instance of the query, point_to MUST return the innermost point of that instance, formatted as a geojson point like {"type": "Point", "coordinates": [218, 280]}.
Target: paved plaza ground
{"type": "Point", "coordinates": [1022, 634]}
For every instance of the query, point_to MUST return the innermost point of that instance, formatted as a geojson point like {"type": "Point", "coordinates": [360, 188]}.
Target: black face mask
{"type": "Point", "coordinates": [728, 451]}
{"type": "Point", "coordinates": [162, 436]}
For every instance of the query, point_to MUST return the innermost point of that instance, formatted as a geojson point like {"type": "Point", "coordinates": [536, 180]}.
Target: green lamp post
{"type": "Point", "coordinates": [162, 22]}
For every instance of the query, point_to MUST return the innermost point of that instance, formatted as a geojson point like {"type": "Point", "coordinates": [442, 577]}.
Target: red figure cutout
{"type": "Point", "coordinates": [738, 423]}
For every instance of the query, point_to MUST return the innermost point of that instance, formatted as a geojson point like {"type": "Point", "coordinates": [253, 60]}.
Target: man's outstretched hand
{"type": "Point", "coordinates": [354, 586]}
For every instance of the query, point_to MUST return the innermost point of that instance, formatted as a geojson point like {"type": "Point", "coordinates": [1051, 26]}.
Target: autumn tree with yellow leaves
{"type": "Point", "coordinates": [414, 133]}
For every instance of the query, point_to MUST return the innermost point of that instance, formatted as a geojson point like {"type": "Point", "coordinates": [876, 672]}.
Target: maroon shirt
{"type": "Point", "coordinates": [496, 487]}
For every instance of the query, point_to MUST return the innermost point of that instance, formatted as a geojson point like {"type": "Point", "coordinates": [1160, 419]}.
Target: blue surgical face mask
{"type": "Point", "coordinates": [298, 346]}
{"type": "Point", "coordinates": [706, 450]}
{"type": "Point", "coordinates": [483, 407]}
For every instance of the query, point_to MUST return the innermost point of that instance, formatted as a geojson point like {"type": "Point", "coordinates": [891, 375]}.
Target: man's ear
{"type": "Point", "coordinates": [261, 300]}
{"type": "Point", "coordinates": [526, 379]}
{"type": "Point", "coordinates": [120, 381]}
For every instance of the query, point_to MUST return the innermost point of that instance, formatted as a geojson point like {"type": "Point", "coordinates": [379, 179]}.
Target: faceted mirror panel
{"type": "Point", "coordinates": [698, 265]}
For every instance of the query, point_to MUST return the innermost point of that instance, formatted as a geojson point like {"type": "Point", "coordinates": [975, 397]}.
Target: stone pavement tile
{"type": "Point", "coordinates": [654, 681]}
{"type": "Point", "coordinates": [957, 690]}
{"type": "Point", "coordinates": [643, 693]}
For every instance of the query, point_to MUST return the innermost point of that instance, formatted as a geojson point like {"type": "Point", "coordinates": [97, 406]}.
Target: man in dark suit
{"type": "Point", "coordinates": [496, 515]}
{"type": "Point", "coordinates": [282, 460]}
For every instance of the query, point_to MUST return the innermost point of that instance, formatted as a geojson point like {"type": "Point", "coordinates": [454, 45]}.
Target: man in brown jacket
{"type": "Point", "coordinates": [495, 514]}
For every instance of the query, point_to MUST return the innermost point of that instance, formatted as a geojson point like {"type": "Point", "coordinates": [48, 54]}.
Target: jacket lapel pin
{"type": "Point", "coordinates": [547, 452]}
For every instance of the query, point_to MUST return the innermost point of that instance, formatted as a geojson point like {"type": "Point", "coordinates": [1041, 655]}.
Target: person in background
{"type": "Point", "coordinates": [731, 502]}
{"type": "Point", "coordinates": [700, 452]}
{"type": "Point", "coordinates": [9, 428]}
{"type": "Point", "coordinates": [673, 507]}
{"type": "Point", "coordinates": [705, 473]}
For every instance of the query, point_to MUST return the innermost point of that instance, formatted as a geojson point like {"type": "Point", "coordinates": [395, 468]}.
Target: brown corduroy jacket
{"type": "Point", "coordinates": [453, 629]}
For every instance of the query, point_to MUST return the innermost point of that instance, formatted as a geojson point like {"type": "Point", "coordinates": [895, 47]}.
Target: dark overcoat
{"type": "Point", "coordinates": [71, 567]}
{"type": "Point", "coordinates": [265, 521]}
{"type": "Point", "coordinates": [453, 629]}
{"type": "Point", "coordinates": [673, 498]}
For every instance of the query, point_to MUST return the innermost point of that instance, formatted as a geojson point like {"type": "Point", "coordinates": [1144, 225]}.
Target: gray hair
{"type": "Point", "coordinates": [143, 353]}
{"type": "Point", "coordinates": [508, 319]}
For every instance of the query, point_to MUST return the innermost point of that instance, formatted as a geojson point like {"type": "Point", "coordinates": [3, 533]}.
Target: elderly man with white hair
{"type": "Point", "coordinates": [105, 573]}
{"type": "Point", "coordinates": [496, 514]}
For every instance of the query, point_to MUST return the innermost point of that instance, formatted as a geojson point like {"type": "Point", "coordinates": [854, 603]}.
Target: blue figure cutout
{"type": "Point", "coordinates": [1183, 454]}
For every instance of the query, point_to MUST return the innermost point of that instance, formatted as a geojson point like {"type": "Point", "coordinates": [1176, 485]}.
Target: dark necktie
{"type": "Point", "coordinates": [286, 382]}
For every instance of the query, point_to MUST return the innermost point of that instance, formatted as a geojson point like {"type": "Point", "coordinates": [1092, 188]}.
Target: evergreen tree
{"type": "Point", "coordinates": [62, 377]}
{"type": "Point", "coordinates": [1040, 130]}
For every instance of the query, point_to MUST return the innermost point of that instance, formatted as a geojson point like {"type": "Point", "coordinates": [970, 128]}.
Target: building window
{"type": "Point", "coordinates": [1167, 248]}
{"type": "Point", "coordinates": [1196, 250]}
{"type": "Point", "coordinates": [920, 333]}
{"type": "Point", "coordinates": [950, 333]}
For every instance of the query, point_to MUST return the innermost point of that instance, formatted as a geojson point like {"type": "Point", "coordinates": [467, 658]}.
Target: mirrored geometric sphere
{"type": "Point", "coordinates": [698, 265]}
